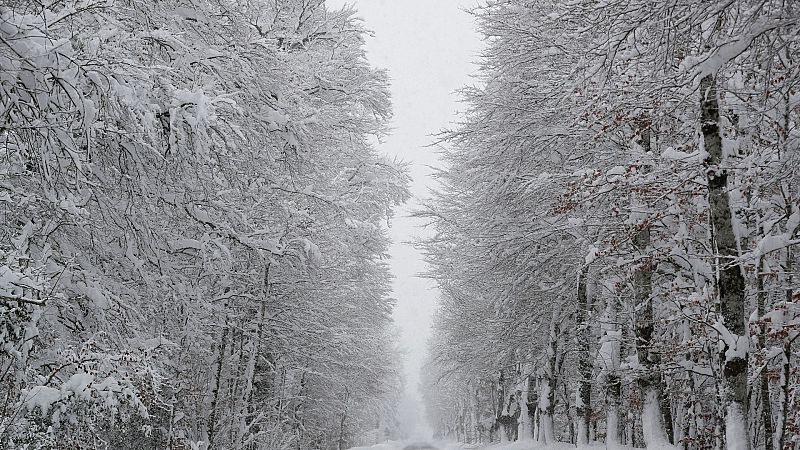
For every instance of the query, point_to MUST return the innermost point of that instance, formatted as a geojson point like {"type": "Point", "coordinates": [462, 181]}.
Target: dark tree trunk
{"type": "Point", "coordinates": [766, 406]}
{"type": "Point", "coordinates": [787, 351]}
{"type": "Point", "coordinates": [548, 385]}
{"type": "Point", "coordinates": [730, 283]}
{"type": "Point", "coordinates": [583, 398]}
{"type": "Point", "coordinates": [217, 382]}
{"type": "Point", "coordinates": [786, 371]}
{"type": "Point", "coordinates": [650, 380]}
{"type": "Point", "coordinates": [501, 398]}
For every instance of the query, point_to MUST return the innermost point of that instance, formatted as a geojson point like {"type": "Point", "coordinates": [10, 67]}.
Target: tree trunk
{"type": "Point", "coordinates": [766, 405]}
{"type": "Point", "coordinates": [473, 418]}
{"type": "Point", "coordinates": [625, 426]}
{"type": "Point", "coordinates": [246, 412]}
{"type": "Point", "coordinates": [341, 441]}
{"type": "Point", "coordinates": [614, 394]}
{"type": "Point", "coordinates": [570, 420]}
{"type": "Point", "coordinates": [689, 416]}
{"type": "Point", "coordinates": [525, 432]}
{"type": "Point", "coordinates": [217, 381]}
{"type": "Point", "coordinates": [730, 283]}
{"type": "Point", "coordinates": [235, 385]}
{"type": "Point", "coordinates": [583, 394]}
{"type": "Point", "coordinates": [780, 426]}
{"type": "Point", "coordinates": [650, 380]}
{"type": "Point", "coordinates": [666, 410]}
{"type": "Point", "coordinates": [547, 394]}
{"type": "Point", "coordinates": [537, 416]}
{"type": "Point", "coordinates": [689, 431]}
{"type": "Point", "coordinates": [501, 398]}
{"type": "Point", "coordinates": [610, 355]}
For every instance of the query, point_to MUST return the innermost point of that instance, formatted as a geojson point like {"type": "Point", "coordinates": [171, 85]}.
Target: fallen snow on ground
{"type": "Point", "coordinates": [395, 445]}
{"type": "Point", "coordinates": [519, 445]}
{"type": "Point", "coordinates": [533, 445]}
{"type": "Point", "coordinates": [391, 445]}
{"type": "Point", "coordinates": [529, 445]}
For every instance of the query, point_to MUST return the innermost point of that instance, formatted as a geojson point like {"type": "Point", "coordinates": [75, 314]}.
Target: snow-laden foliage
{"type": "Point", "coordinates": [617, 228]}
{"type": "Point", "coordinates": [193, 226]}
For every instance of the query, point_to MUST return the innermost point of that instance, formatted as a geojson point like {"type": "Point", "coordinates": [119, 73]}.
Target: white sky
{"type": "Point", "coordinates": [428, 47]}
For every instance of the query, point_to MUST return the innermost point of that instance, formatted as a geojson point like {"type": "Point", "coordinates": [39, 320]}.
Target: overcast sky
{"type": "Point", "coordinates": [428, 47]}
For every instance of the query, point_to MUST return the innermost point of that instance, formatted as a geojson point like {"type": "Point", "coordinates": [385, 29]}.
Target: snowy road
{"type": "Point", "coordinates": [415, 445]}
{"type": "Point", "coordinates": [412, 445]}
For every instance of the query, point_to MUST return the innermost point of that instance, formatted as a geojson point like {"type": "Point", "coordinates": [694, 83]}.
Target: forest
{"type": "Point", "coordinates": [616, 228]}
{"type": "Point", "coordinates": [193, 227]}
{"type": "Point", "coordinates": [194, 215]}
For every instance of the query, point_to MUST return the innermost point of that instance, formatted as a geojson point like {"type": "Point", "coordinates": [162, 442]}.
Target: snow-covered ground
{"type": "Point", "coordinates": [396, 445]}
{"type": "Point", "coordinates": [519, 445]}
{"type": "Point", "coordinates": [401, 445]}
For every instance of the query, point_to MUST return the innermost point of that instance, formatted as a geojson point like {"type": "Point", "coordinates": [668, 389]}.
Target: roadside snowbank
{"type": "Point", "coordinates": [519, 445]}
{"type": "Point", "coordinates": [533, 445]}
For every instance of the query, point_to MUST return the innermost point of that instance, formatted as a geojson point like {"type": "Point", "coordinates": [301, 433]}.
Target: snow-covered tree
{"type": "Point", "coordinates": [622, 189]}
{"type": "Point", "coordinates": [194, 225]}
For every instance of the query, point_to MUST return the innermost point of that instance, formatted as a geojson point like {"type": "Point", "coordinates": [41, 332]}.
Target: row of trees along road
{"type": "Point", "coordinates": [616, 232]}
{"type": "Point", "coordinates": [192, 226]}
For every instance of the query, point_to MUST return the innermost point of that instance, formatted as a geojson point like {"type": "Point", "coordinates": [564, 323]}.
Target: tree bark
{"type": "Point", "coordinates": [217, 381]}
{"type": "Point", "coordinates": [341, 441]}
{"type": "Point", "coordinates": [525, 432]}
{"type": "Point", "coordinates": [766, 405]}
{"type": "Point", "coordinates": [246, 414]}
{"type": "Point", "coordinates": [657, 425]}
{"type": "Point", "coordinates": [613, 383]}
{"type": "Point", "coordinates": [501, 399]}
{"type": "Point", "coordinates": [537, 416]}
{"type": "Point", "coordinates": [583, 395]}
{"type": "Point", "coordinates": [730, 282]}
{"type": "Point", "coordinates": [780, 426]}
{"type": "Point", "coordinates": [548, 386]}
